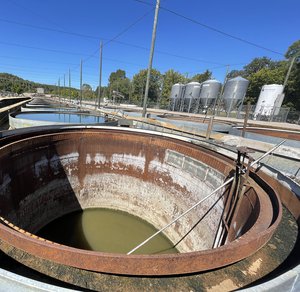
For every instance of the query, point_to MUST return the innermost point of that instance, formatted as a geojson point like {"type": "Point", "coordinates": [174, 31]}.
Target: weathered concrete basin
{"type": "Point", "coordinates": [46, 174]}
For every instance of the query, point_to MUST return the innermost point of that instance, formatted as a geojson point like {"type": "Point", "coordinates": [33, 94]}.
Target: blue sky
{"type": "Point", "coordinates": [36, 40]}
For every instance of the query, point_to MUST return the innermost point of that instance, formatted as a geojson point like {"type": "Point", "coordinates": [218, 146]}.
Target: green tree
{"type": "Point", "coordinates": [169, 79]}
{"type": "Point", "coordinates": [87, 91]}
{"type": "Point", "coordinates": [262, 77]}
{"type": "Point", "coordinates": [201, 77]}
{"type": "Point", "coordinates": [118, 75]}
{"type": "Point", "coordinates": [293, 51]}
{"type": "Point", "coordinates": [118, 82]}
{"type": "Point", "coordinates": [292, 89]}
{"type": "Point", "coordinates": [258, 64]}
{"type": "Point", "coordinates": [139, 83]}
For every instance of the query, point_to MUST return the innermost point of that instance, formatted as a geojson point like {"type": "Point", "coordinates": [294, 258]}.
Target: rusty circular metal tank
{"type": "Point", "coordinates": [45, 174]}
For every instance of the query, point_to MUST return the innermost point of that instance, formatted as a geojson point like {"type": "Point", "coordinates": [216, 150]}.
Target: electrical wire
{"type": "Point", "coordinates": [213, 28]}
{"type": "Point", "coordinates": [114, 39]}
{"type": "Point", "coordinates": [41, 49]}
{"type": "Point", "coordinates": [42, 16]}
{"type": "Point", "coordinates": [52, 29]}
{"type": "Point", "coordinates": [35, 60]}
{"type": "Point", "coordinates": [128, 28]}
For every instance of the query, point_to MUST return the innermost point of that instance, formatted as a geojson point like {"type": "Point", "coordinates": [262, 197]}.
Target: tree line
{"type": "Point", "coordinates": [259, 71]}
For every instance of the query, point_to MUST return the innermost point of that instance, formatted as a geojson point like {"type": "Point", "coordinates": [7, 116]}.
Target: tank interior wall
{"type": "Point", "coordinates": [72, 171]}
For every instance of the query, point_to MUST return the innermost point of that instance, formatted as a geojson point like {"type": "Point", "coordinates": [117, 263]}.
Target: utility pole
{"type": "Point", "coordinates": [218, 99]}
{"type": "Point", "coordinates": [70, 84]}
{"type": "Point", "coordinates": [100, 74]}
{"type": "Point", "coordinates": [64, 91]}
{"type": "Point", "coordinates": [289, 72]}
{"type": "Point", "coordinates": [59, 89]}
{"type": "Point", "coordinates": [80, 83]}
{"type": "Point", "coordinates": [151, 57]}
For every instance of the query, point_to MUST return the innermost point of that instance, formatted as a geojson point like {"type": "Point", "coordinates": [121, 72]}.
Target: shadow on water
{"type": "Point", "coordinates": [67, 230]}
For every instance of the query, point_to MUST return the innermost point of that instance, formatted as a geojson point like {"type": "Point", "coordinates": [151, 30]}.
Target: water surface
{"type": "Point", "coordinates": [106, 230]}
{"type": "Point", "coordinates": [62, 118]}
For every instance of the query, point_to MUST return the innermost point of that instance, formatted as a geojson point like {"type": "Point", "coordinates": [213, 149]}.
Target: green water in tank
{"type": "Point", "coordinates": [106, 230]}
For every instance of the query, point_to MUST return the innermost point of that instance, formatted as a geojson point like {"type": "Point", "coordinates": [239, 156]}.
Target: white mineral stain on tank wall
{"type": "Point", "coordinates": [99, 158]}
{"type": "Point", "coordinates": [116, 160]}
{"type": "Point", "coordinates": [88, 159]}
{"type": "Point", "coordinates": [55, 163]}
{"type": "Point", "coordinates": [67, 160]}
{"type": "Point", "coordinates": [137, 162]}
{"type": "Point", "coordinates": [195, 190]}
{"type": "Point", "coordinates": [178, 176]}
{"type": "Point", "coordinates": [71, 158]}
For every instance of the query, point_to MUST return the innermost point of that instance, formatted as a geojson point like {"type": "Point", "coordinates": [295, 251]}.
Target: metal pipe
{"type": "Point", "coordinates": [202, 200]}
{"type": "Point", "coordinates": [267, 153]}
{"type": "Point", "coordinates": [177, 218]}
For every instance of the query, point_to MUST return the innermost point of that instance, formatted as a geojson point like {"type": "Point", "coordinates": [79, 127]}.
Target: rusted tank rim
{"type": "Point", "coordinates": [157, 264]}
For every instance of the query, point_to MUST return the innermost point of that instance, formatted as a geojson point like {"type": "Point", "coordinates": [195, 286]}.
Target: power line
{"type": "Point", "coordinates": [72, 33]}
{"type": "Point", "coordinates": [52, 29]}
{"type": "Point", "coordinates": [35, 13]}
{"type": "Point", "coordinates": [189, 58]}
{"type": "Point", "coordinates": [213, 28]}
{"type": "Point", "coordinates": [169, 54]}
{"type": "Point", "coordinates": [25, 69]}
{"type": "Point", "coordinates": [42, 49]}
{"type": "Point", "coordinates": [128, 28]}
{"type": "Point", "coordinates": [35, 60]}
{"type": "Point", "coordinates": [119, 34]}
{"type": "Point", "coordinates": [217, 67]}
{"type": "Point", "coordinates": [144, 2]}
{"type": "Point", "coordinates": [111, 40]}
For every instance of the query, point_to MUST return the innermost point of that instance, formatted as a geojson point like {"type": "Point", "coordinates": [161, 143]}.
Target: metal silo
{"type": "Point", "coordinates": [191, 96]}
{"type": "Point", "coordinates": [176, 96]}
{"type": "Point", "coordinates": [234, 92]}
{"type": "Point", "coordinates": [210, 90]}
